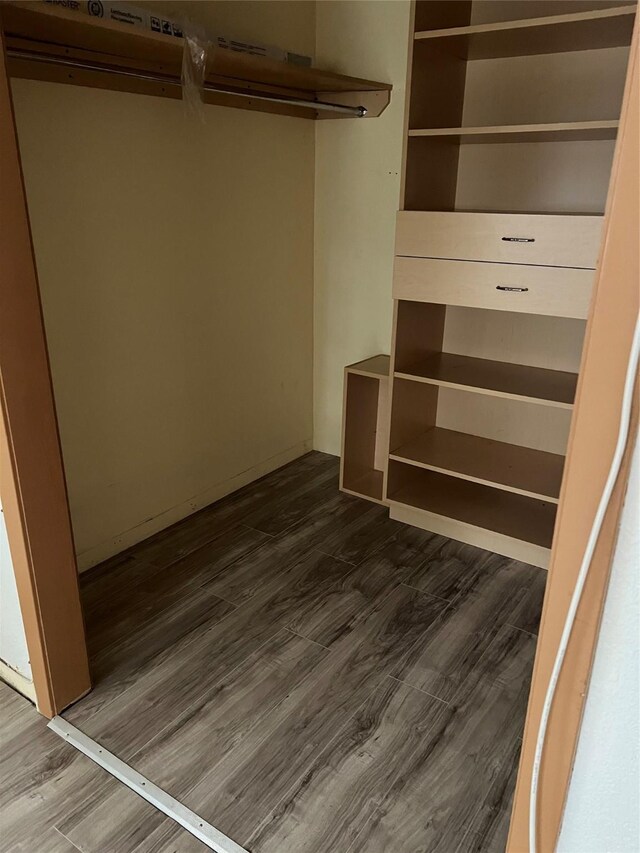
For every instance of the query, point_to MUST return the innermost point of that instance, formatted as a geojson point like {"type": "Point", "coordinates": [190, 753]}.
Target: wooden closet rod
{"type": "Point", "coordinates": [356, 112]}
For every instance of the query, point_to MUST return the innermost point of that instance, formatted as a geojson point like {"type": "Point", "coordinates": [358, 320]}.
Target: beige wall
{"type": "Point", "coordinates": [357, 190]}
{"type": "Point", "coordinates": [289, 24]}
{"type": "Point", "coordinates": [175, 262]}
{"type": "Point", "coordinates": [177, 266]}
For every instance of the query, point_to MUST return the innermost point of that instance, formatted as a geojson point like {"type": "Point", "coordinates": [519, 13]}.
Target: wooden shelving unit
{"type": "Point", "coordinates": [44, 41]}
{"type": "Point", "coordinates": [510, 130]}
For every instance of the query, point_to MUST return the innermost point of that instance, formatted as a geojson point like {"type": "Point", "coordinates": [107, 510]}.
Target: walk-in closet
{"type": "Point", "coordinates": [303, 291]}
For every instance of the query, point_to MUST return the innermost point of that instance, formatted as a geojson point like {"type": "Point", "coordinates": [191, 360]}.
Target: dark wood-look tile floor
{"type": "Point", "coordinates": [303, 672]}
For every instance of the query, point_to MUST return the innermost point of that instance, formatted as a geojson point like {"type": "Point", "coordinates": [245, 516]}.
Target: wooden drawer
{"type": "Point", "coordinates": [555, 291]}
{"type": "Point", "coordinates": [561, 241]}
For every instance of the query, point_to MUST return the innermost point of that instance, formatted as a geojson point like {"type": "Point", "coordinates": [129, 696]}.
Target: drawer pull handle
{"type": "Point", "coordinates": [512, 289]}
{"type": "Point", "coordinates": [519, 239]}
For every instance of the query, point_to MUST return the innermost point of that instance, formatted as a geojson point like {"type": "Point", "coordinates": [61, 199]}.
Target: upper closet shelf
{"type": "Point", "coordinates": [563, 131]}
{"type": "Point", "coordinates": [598, 28]}
{"type": "Point", "coordinates": [51, 43]}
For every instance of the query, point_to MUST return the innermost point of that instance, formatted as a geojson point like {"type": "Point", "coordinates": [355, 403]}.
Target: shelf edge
{"type": "Point", "coordinates": [526, 23]}
{"type": "Point", "coordinates": [506, 129]}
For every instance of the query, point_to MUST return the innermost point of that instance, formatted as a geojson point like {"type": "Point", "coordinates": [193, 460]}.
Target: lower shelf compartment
{"type": "Point", "coordinates": [488, 540]}
{"type": "Point", "coordinates": [369, 485]}
{"type": "Point", "coordinates": [515, 516]}
{"type": "Point", "coordinates": [533, 473]}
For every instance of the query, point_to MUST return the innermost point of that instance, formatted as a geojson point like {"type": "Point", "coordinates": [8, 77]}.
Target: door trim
{"type": "Point", "coordinates": [32, 483]}
{"type": "Point", "coordinates": [594, 435]}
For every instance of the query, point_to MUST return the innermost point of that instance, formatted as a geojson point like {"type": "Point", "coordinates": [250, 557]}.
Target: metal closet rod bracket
{"type": "Point", "coordinates": [32, 56]}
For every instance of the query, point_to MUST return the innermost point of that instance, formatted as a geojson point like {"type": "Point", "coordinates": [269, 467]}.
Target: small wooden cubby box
{"type": "Point", "coordinates": [510, 126]}
{"type": "Point", "coordinates": [365, 441]}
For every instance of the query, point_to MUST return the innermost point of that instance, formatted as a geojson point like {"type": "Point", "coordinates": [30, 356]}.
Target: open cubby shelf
{"type": "Point", "coordinates": [509, 172]}
{"type": "Point", "coordinates": [511, 109]}
{"type": "Point", "coordinates": [521, 470]}
{"type": "Point", "coordinates": [585, 30]}
{"type": "Point", "coordinates": [502, 379]}
{"type": "Point", "coordinates": [516, 516]}
{"type": "Point", "coordinates": [364, 436]}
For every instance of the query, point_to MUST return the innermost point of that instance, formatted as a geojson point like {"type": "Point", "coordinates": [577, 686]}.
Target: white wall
{"type": "Point", "coordinates": [13, 645]}
{"type": "Point", "coordinates": [602, 814]}
{"type": "Point", "coordinates": [356, 198]}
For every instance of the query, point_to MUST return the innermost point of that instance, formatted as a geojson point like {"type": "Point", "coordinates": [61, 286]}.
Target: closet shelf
{"type": "Point", "coordinates": [495, 378]}
{"type": "Point", "coordinates": [521, 470]}
{"type": "Point", "coordinates": [515, 516]}
{"type": "Point", "coordinates": [51, 43]}
{"type": "Point", "coordinates": [564, 131]}
{"type": "Point", "coordinates": [377, 366]}
{"type": "Point", "coordinates": [598, 28]}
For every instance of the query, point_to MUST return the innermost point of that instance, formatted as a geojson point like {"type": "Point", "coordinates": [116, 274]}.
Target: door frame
{"type": "Point", "coordinates": [32, 482]}
{"type": "Point", "coordinates": [594, 435]}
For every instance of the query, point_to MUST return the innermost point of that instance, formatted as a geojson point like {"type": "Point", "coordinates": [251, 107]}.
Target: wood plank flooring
{"type": "Point", "coordinates": [41, 778]}
{"type": "Point", "coordinates": [303, 672]}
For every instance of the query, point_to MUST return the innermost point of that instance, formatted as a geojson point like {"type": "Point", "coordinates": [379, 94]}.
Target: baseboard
{"type": "Point", "coordinates": [97, 554]}
{"type": "Point", "coordinates": [17, 681]}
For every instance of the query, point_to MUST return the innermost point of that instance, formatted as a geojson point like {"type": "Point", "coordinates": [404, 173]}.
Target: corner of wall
{"type": "Point", "coordinates": [357, 185]}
